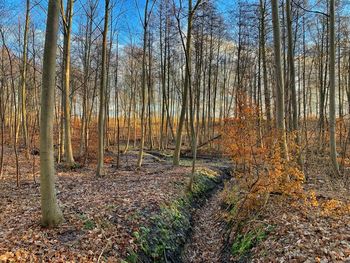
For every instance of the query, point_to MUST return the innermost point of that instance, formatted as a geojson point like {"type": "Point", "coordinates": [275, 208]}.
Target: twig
{"type": "Point", "coordinates": [310, 11]}
{"type": "Point", "coordinates": [103, 250]}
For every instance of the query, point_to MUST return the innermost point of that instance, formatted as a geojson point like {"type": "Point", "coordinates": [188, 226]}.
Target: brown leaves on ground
{"type": "Point", "coordinates": [208, 233]}
{"type": "Point", "coordinates": [100, 214]}
{"type": "Point", "coordinates": [315, 231]}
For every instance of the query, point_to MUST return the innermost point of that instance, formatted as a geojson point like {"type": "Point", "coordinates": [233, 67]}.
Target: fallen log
{"type": "Point", "coordinates": [202, 144]}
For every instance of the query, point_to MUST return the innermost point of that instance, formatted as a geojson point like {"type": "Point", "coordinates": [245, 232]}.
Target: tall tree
{"type": "Point", "coordinates": [291, 75]}
{"type": "Point", "coordinates": [332, 121]}
{"type": "Point", "coordinates": [67, 27]}
{"type": "Point", "coordinates": [264, 62]}
{"type": "Point", "coordinates": [103, 85]}
{"type": "Point", "coordinates": [143, 84]}
{"type": "Point", "coordinates": [51, 213]}
{"type": "Point", "coordinates": [280, 114]}
{"type": "Point", "coordinates": [184, 103]}
{"type": "Point", "coordinates": [86, 54]}
{"type": "Point", "coordinates": [24, 79]}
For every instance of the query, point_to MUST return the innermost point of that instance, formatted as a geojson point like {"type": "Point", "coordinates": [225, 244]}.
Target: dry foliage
{"type": "Point", "coordinates": [309, 219]}
{"type": "Point", "coordinates": [260, 169]}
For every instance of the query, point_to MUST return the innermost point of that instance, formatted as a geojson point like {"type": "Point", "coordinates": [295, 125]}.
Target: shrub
{"type": "Point", "coordinates": [260, 168]}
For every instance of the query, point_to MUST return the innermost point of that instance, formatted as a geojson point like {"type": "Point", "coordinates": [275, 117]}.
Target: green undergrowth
{"type": "Point", "coordinates": [246, 236]}
{"type": "Point", "coordinates": [245, 241]}
{"type": "Point", "coordinates": [88, 223]}
{"type": "Point", "coordinates": [167, 232]}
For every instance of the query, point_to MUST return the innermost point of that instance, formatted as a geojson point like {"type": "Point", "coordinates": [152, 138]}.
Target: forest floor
{"type": "Point", "coordinates": [319, 232]}
{"type": "Point", "coordinates": [207, 242]}
{"type": "Point", "coordinates": [102, 215]}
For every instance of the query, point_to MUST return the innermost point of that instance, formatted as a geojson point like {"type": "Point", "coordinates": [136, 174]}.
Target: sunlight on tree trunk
{"type": "Point", "coordinates": [143, 86]}
{"type": "Point", "coordinates": [23, 81]}
{"type": "Point", "coordinates": [332, 119]}
{"type": "Point", "coordinates": [67, 27]}
{"type": "Point", "coordinates": [280, 114]}
{"type": "Point", "coordinates": [51, 213]}
{"type": "Point", "coordinates": [101, 116]}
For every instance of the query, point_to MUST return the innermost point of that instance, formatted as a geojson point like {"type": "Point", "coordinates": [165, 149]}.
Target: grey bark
{"type": "Point", "coordinates": [51, 213]}
{"type": "Point", "coordinates": [101, 116]}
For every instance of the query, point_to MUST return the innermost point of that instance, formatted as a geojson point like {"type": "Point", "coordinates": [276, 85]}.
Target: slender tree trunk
{"type": "Point", "coordinates": [187, 47]}
{"type": "Point", "coordinates": [264, 64]}
{"type": "Point", "coordinates": [280, 114]}
{"type": "Point", "coordinates": [332, 120]}
{"type": "Point", "coordinates": [67, 24]}
{"type": "Point", "coordinates": [143, 86]}
{"type": "Point", "coordinates": [117, 118]}
{"type": "Point", "coordinates": [23, 81]}
{"type": "Point", "coordinates": [15, 108]}
{"type": "Point", "coordinates": [101, 116]}
{"type": "Point", "coordinates": [51, 213]}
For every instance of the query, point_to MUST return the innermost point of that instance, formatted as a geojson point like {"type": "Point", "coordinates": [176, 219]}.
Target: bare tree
{"type": "Point", "coordinates": [184, 102]}
{"type": "Point", "coordinates": [143, 83]}
{"type": "Point", "coordinates": [67, 27]}
{"type": "Point", "coordinates": [101, 116]}
{"type": "Point", "coordinates": [23, 81]}
{"type": "Point", "coordinates": [332, 135]}
{"type": "Point", "coordinates": [280, 114]}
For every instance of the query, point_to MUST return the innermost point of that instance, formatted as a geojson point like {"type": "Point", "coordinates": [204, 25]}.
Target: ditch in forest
{"type": "Point", "coordinates": [189, 229]}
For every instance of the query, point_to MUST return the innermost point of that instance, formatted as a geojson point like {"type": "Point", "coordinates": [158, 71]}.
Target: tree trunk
{"type": "Point", "coordinates": [23, 81]}
{"type": "Point", "coordinates": [176, 157]}
{"type": "Point", "coordinates": [332, 120]}
{"type": "Point", "coordinates": [67, 25]}
{"type": "Point", "coordinates": [143, 86]}
{"type": "Point", "coordinates": [51, 214]}
{"type": "Point", "coordinates": [280, 115]}
{"type": "Point", "coordinates": [101, 116]}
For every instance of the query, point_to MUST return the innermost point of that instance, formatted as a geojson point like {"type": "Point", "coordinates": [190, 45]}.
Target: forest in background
{"type": "Point", "coordinates": [198, 115]}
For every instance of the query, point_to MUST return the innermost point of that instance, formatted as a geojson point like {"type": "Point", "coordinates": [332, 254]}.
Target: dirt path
{"type": "Point", "coordinates": [207, 239]}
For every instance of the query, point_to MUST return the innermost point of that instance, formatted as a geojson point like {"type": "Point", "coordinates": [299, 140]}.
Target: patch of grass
{"type": "Point", "coordinates": [141, 237]}
{"type": "Point", "coordinates": [89, 224]}
{"type": "Point", "coordinates": [245, 242]}
{"type": "Point", "coordinates": [131, 258]}
{"type": "Point", "coordinates": [69, 167]}
{"type": "Point", "coordinates": [111, 207]}
{"type": "Point", "coordinates": [135, 216]}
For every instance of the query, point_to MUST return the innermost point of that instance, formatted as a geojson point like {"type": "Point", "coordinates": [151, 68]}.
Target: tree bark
{"type": "Point", "coordinates": [176, 157]}
{"type": "Point", "coordinates": [143, 86]}
{"type": "Point", "coordinates": [101, 116]}
{"type": "Point", "coordinates": [280, 111]}
{"type": "Point", "coordinates": [67, 26]}
{"type": "Point", "coordinates": [23, 82]}
{"type": "Point", "coordinates": [51, 213]}
{"type": "Point", "coordinates": [332, 120]}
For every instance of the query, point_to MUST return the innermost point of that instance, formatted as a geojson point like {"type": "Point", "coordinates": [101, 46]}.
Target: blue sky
{"type": "Point", "coordinates": [126, 10]}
